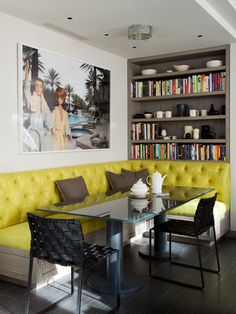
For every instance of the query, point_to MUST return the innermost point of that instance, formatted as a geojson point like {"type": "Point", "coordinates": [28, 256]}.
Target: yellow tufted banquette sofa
{"type": "Point", "coordinates": [22, 192]}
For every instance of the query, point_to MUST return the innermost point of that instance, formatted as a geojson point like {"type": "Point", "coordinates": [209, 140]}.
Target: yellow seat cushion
{"type": "Point", "coordinates": [189, 209]}
{"type": "Point", "coordinates": [18, 236]}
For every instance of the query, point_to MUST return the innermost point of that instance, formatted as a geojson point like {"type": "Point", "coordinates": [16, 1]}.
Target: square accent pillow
{"type": "Point", "coordinates": [72, 188]}
{"type": "Point", "coordinates": [141, 174]}
{"type": "Point", "coordinates": [125, 180]}
{"type": "Point", "coordinates": [118, 182]}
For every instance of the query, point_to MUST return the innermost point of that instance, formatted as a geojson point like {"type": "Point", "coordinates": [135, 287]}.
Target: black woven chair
{"type": "Point", "coordinates": [203, 220]}
{"type": "Point", "coordinates": [61, 241]}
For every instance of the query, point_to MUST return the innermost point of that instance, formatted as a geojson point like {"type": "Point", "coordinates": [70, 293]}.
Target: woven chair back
{"type": "Point", "coordinates": [204, 218]}
{"type": "Point", "coordinates": [58, 241]}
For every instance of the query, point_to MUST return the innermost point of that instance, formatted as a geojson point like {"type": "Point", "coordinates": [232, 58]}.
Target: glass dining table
{"type": "Point", "coordinates": [121, 208]}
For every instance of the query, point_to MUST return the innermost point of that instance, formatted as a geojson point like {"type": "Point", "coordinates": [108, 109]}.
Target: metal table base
{"type": "Point", "coordinates": [105, 283]}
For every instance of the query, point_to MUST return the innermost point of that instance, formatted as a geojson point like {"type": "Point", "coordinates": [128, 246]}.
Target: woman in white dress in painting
{"type": "Point", "coordinates": [61, 125]}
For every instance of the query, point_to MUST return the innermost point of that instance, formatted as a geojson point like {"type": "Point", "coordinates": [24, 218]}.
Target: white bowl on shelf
{"type": "Point", "coordinates": [148, 115]}
{"type": "Point", "coordinates": [181, 67]}
{"type": "Point", "coordinates": [149, 71]}
{"type": "Point", "coordinates": [214, 63]}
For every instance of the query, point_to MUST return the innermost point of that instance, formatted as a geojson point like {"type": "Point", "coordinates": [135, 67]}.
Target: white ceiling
{"type": "Point", "coordinates": [176, 24]}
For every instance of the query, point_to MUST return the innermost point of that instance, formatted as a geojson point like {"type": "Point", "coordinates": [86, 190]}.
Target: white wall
{"type": "Point", "coordinates": [233, 133]}
{"type": "Point", "coordinates": [13, 31]}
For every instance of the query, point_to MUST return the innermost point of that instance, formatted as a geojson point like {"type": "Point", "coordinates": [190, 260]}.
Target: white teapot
{"type": "Point", "coordinates": [139, 188]}
{"type": "Point", "coordinates": [157, 182]}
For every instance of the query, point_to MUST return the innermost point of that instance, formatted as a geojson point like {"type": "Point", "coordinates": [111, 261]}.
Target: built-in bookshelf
{"type": "Point", "coordinates": [198, 88]}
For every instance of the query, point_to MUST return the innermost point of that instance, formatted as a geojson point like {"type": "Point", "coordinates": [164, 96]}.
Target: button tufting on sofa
{"type": "Point", "coordinates": [25, 191]}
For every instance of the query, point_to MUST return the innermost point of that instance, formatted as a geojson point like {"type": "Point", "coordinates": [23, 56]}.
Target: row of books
{"type": "Point", "coordinates": [191, 84]}
{"type": "Point", "coordinates": [145, 131]}
{"type": "Point", "coordinates": [174, 151]}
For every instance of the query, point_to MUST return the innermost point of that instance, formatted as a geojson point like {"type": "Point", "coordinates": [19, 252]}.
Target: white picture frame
{"type": "Point", "coordinates": [64, 103]}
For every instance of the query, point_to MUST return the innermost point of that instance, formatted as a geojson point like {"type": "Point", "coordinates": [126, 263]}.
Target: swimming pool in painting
{"type": "Point", "coordinates": [76, 119]}
{"type": "Point", "coordinates": [77, 132]}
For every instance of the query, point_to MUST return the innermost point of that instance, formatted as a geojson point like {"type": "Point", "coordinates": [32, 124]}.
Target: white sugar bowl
{"type": "Point", "coordinates": [139, 204]}
{"type": "Point", "coordinates": [140, 188]}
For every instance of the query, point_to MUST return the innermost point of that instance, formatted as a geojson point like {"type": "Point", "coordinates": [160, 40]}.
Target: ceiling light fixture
{"type": "Point", "coordinates": [140, 32]}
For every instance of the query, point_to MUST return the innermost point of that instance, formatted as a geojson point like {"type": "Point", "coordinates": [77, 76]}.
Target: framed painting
{"type": "Point", "coordinates": [64, 104]}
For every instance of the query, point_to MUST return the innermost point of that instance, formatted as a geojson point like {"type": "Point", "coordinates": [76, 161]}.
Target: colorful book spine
{"type": "Point", "coordinates": [175, 151]}
{"type": "Point", "coordinates": [199, 83]}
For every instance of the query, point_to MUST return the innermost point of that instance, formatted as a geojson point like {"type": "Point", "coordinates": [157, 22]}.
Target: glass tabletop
{"type": "Point", "coordinates": [127, 207]}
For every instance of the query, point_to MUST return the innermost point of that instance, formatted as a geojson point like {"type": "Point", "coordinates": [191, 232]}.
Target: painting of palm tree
{"type": "Point", "coordinates": [85, 108]}
{"type": "Point", "coordinates": [98, 86]}
{"type": "Point", "coordinates": [52, 79]}
{"type": "Point", "coordinates": [32, 55]}
{"type": "Point", "coordinates": [69, 89]}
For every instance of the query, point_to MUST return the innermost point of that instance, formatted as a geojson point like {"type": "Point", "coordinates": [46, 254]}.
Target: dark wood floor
{"type": "Point", "coordinates": [156, 296]}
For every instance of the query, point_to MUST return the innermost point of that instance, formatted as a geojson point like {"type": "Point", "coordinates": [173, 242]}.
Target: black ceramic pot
{"type": "Point", "coordinates": [205, 131]}
{"type": "Point", "coordinates": [211, 135]}
{"type": "Point", "coordinates": [181, 110]}
{"type": "Point", "coordinates": [222, 108]}
{"type": "Point", "coordinates": [213, 111]}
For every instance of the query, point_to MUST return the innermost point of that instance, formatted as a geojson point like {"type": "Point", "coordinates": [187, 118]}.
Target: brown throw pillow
{"type": "Point", "coordinates": [125, 180]}
{"type": "Point", "coordinates": [118, 182]}
{"type": "Point", "coordinates": [141, 174]}
{"type": "Point", "coordinates": [72, 188]}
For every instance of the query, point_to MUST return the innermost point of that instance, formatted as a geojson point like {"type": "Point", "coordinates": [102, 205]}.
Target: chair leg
{"type": "Point", "coordinates": [117, 280]}
{"type": "Point", "coordinates": [29, 285]}
{"type": "Point", "coordinates": [150, 251]}
{"type": "Point", "coordinates": [180, 264]}
{"type": "Point", "coordinates": [200, 263]}
{"type": "Point", "coordinates": [216, 248]}
{"type": "Point", "coordinates": [169, 247]}
{"type": "Point", "coordinates": [80, 284]}
{"type": "Point", "coordinates": [72, 280]}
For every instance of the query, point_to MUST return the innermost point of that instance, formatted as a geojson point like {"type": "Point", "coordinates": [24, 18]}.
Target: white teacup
{"type": "Point", "coordinates": [168, 114]}
{"type": "Point", "coordinates": [203, 112]}
{"type": "Point", "coordinates": [158, 114]}
{"type": "Point", "coordinates": [193, 112]}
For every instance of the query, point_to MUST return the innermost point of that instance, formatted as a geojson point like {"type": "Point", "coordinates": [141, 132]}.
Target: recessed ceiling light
{"type": "Point", "coordinates": [200, 35]}
{"type": "Point", "coordinates": [106, 34]}
{"type": "Point", "coordinates": [69, 18]}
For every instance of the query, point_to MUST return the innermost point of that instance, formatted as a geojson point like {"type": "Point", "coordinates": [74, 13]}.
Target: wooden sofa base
{"type": "Point", "coordinates": [14, 262]}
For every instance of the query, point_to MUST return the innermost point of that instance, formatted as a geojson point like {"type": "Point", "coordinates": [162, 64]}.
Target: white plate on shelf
{"type": "Point", "coordinates": [149, 71]}
{"type": "Point", "coordinates": [214, 63]}
{"type": "Point", "coordinates": [141, 196]}
{"type": "Point", "coordinates": [181, 67]}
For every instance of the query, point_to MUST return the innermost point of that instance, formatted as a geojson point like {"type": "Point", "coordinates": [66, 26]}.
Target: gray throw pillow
{"type": "Point", "coordinates": [136, 175]}
{"type": "Point", "coordinates": [118, 182]}
{"type": "Point", "coordinates": [72, 188]}
{"type": "Point", "coordinates": [125, 180]}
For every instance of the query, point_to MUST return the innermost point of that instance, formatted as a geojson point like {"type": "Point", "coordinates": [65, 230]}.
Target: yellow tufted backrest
{"type": "Point", "coordinates": [25, 191]}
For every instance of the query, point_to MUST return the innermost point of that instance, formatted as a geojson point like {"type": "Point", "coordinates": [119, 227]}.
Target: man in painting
{"type": "Point", "coordinates": [60, 118]}
{"type": "Point", "coordinates": [41, 123]}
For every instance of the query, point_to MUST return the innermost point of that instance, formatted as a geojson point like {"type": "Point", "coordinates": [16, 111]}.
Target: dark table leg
{"type": "Point", "coordinates": [105, 283]}
{"type": "Point", "coordinates": [160, 241]}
